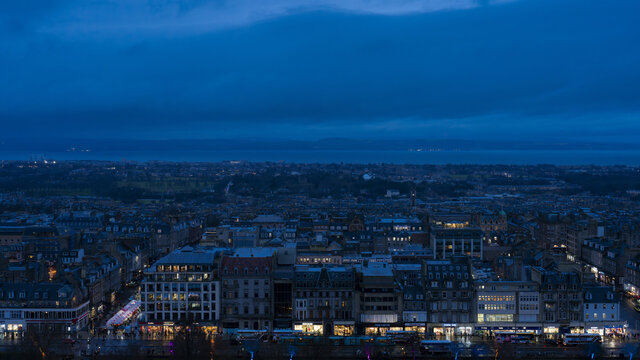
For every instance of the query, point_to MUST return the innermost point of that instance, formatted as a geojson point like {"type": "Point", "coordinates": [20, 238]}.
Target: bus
{"type": "Point", "coordinates": [580, 339]}
{"type": "Point", "coordinates": [383, 341]}
{"type": "Point", "coordinates": [436, 347]}
{"type": "Point", "coordinates": [260, 335]}
{"type": "Point", "coordinates": [402, 337]}
{"type": "Point", "coordinates": [515, 338]}
{"type": "Point", "coordinates": [286, 333]}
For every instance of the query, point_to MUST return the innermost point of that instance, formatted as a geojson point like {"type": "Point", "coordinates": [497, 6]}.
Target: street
{"type": "Point", "coordinates": [467, 347]}
{"type": "Point", "coordinates": [627, 312]}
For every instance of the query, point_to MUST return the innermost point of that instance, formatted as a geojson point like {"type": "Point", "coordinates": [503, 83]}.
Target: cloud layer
{"type": "Point", "coordinates": [197, 68]}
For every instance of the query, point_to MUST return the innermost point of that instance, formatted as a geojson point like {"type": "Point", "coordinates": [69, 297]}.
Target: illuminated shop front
{"type": "Point", "coordinates": [615, 329]}
{"type": "Point", "coordinates": [605, 330]}
{"type": "Point", "coordinates": [418, 328]}
{"type": "Point", "coordinates": [158, 328]}
{"type": "Point", "coordinates": [595, 330]}
{"type": "Point", "coordinates": [527, 329]}
{"type": "Point", "coordinates": [314, 328]}
{"type": "Point", "coordinates": [453, 329]}
{"type": "Point", "coordinates": [552, 332]}
{"type": "Point", "coordinates": [464, 330]}
{"type": "Point", "coordinates": [344, 328]}
{"type": "Point", "coordinates": [59, 320]}
{"type": "Point", "coordinates": [11, 327]}
{"type": "Point", "coordinates": [209, 329]}
{"type": "Point", "coordinates": [169, 328]}
{"type": "Point", "coordinates": [381, 329]}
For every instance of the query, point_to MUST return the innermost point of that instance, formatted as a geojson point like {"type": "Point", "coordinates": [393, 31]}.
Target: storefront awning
{"type": "Point", "coordinates": [124, 314]}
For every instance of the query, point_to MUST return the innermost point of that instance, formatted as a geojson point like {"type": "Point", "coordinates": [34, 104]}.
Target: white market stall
{"type": "Point", "coordinates": [126, 313]}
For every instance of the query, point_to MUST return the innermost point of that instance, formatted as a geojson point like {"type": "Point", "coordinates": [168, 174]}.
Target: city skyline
{"type": "Point", "coordinates": [311, 179]}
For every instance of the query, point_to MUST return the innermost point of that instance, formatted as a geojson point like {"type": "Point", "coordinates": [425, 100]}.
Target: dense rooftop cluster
{"type": "Point", "coordinates": [322, 249]}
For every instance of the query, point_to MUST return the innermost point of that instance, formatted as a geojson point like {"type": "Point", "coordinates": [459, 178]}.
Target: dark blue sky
{"type": "Point", "coordinates": [157, 69]}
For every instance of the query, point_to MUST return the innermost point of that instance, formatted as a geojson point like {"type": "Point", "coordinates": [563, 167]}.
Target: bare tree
{"type": "Point", "coordinates": [191, 343]}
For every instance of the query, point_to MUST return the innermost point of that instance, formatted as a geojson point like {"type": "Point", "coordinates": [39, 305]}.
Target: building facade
{"type": "Point", "coordinates": [182, 289]}
{"type": "Point", "coordinates": [508, 306]}
{"type": "Point", "coordinates": [246, 289]}
{"type": "Point", "coordinates": [324, 300]}
{"type": "Point", "coordinates": [449, 295]}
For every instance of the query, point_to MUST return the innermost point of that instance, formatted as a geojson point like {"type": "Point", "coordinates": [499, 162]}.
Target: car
{"type": "Point", "coordinates": [637, 308]}
{"type": "Point", "coordinates": [481, 351]}
{"type": "Point", "coordinates": [69, 341]}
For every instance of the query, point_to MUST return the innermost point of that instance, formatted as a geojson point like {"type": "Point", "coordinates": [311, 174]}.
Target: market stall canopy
{"type": "Point", "coordinates": [124, 314]}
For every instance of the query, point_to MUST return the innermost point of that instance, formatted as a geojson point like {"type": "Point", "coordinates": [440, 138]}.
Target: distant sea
{"type": "Point", "coordinates": [514, 157]}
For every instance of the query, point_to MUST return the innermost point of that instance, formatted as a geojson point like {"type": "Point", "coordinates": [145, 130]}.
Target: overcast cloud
{"type": "Point", "coordinates": [312, 69]}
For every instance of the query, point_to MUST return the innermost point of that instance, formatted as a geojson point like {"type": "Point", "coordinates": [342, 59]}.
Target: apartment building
{"type": "Point", "coordinates": [325, 300]}
{"type": "Point", "coordinates": [449, 295]}
{"type": "Point", "coordinates": [180, 289]}
{"type": "Point", "coordinates": [246, 289]}
{"type": "Point", "coordinates": [508, 306]}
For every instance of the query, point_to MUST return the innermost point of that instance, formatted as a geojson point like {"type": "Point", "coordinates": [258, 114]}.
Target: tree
{"type": "Point", "coordinates": [191, 342]}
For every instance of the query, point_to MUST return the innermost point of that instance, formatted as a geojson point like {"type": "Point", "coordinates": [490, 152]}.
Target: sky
{"type": "Point", "coordinates": [302, 69]}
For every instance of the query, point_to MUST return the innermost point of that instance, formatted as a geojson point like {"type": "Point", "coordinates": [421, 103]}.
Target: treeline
{"type": "Point", "coordinates": [606, 184]}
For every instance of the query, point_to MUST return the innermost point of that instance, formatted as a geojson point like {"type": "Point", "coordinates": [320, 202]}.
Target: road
{"type": "Point", "coordinates": [466, 348]}
{"type": "Point", "coordinates": [627, 312]}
